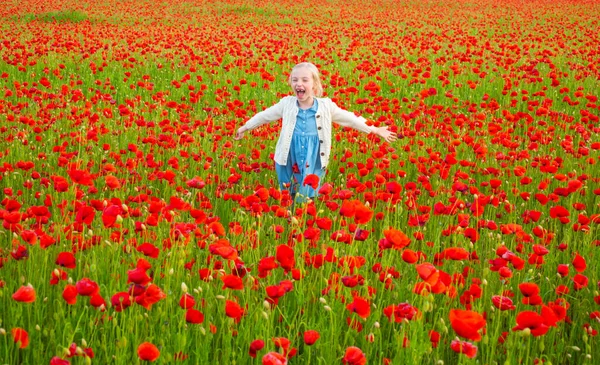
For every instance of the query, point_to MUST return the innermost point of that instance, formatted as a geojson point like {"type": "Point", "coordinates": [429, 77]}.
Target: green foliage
{"type": "Point", "coordinates": [64, 16]}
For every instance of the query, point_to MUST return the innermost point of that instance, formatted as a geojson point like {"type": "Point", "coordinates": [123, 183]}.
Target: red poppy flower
{"type": "Point", "coordinates": [580, 281]}
{"type": "Point", "coordinates": [456, 253]}
{"type": "Point", "coordinates": [351, 262]}
{"type": "Point", "coordinates": [85, 215]}
{"type": "Point", "coordinates": [194, 316]}
{"type": "Point", "coordinates": [283, 343]}
{"type": "Point", "coordinates": [233, 310]}
{"type": "Point", "coordinates": [530, 292]}
{"type": "Point", "coordinates": [409, 256]}
{"type": "Point", "coordinates": [552, 314]}
{"type": "Point", "coordinates": [97, 301]}
{"type": "Point", "coordinates": [148, 250]}
{"type": "Point", "coordinates": [360, 306]}
{"type": "Point", "coordinates": [25, 294]}
{"type": "Point", "coordinates": [20, 337]}
{"type": "Point", "coordinates": [310, 337]}
{"type": "Point", "coordinates": [399, 312]}
{"type": "Point", "coordinates": [471, 234]}
{"type": "Point", "coordinates": [325, 189]}
{"type": "Point", "coordinates": [148, 352]}
{"type": "Point", "coordinates": [531, 321]}
{"type": "Point", "coordinates": [467, 323]}
{"type": "Point", "coordinates": [562, 290]}
{"type": "Point", "coordinates": [434, 337]}
{"type": "Point", "coordinates": [66, 259]}
{"type": "Point", "coordinates": [29, 236]}
{"type": "Point", "coordinates": [255, 346]}
{"type": "Point", "coordinates": [153, 294]}
{"type": "Point", "coordinates": [138, 276]}
{"type": "Point", "coordinates": [58, 361]}
{"type": "Point", "coordinates": [187, 301]}
{"type": "Point", "coordinates": [111, 214]}
{"type": "Point", "coordinates": [352, 281]}
{"type": "Point", "coordinates": [11, 221]}
{"type": "Point", "coordinates": [362, 213]}
{"type": "Point", "coordinates": [354, 356]}
{"type": "Point", "coordinates": [428, 272]}
{"type": "Point", "coordinates": [579, 263]}
{"type": "Point", "coordinates": [57, 275]}
{"type": "Point", "coordinates": [510, 228]}
{"type": "Point", "coordinates": [348, 208]}
{"type": "Point", "coordinates": [561, 213]}
{"type": "Point", "coordinates": [81, 177]}
{"type": "Point", "coordinates": [563, 270]}
{"type": "Point", "coordinates": [397, 238]}
{"type": "Point", "coordinates": [120, 301]}
{"type": "Point", "coordinates": [462, 347]}
{"type": "Point", "coordinates": [312, 180]}
{"type": "Point", "coordinates": [502, 303]}
{"type": "Point", "coordinates": [223, 248]}
{"type": "Point", "coordinates": [285, 257]}
{"type": "Point", "coordinates": [70, 294]}
{"type": "Point", "coordinates": [274, 358]}
{"type": "Point", "coordinates": [265, 265]}
{"type": "Point", "coordinates": [324, 223]}
{"type": "Point", "coordinates": [233, 282]}
{"type": "Point", "coordinates": [112, 182]}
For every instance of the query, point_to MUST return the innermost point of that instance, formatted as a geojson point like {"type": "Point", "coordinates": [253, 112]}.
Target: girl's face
{"type": "Point", "coordinates": [303, 84]}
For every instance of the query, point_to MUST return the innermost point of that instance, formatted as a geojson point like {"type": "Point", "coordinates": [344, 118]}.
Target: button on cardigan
{"type": "Point", "coordinates": [287, 110]}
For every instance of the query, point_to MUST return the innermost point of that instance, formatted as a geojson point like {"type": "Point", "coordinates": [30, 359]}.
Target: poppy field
{"type": "Point", "coordinates": [135, 229]}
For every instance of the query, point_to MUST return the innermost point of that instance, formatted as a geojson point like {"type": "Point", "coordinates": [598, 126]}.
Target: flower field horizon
{"type": "Point", "coordinates": [135, 229]}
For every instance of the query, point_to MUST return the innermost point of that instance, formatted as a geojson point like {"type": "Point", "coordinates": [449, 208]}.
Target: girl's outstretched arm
{"type": "Point", "coordinates": [266, 116]}
{"type": "Point", "coordinates": [348, 119]}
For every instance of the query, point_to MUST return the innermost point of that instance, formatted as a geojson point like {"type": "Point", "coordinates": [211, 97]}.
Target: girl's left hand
{"type": "Point", "coordinates": [385, 133]}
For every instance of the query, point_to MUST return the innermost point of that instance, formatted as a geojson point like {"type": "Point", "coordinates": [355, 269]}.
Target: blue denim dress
{"type": "Point", "coordinates": [304, 158]}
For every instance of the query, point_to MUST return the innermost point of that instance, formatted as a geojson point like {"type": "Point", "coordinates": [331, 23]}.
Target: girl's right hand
{"type": "Point", "coordinates": [386, 134]}
{"type": "Point", "coordinates": [240, 133]}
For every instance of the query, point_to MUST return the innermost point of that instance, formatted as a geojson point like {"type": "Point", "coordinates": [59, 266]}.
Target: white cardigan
{"type": "Point", "coordinates": [287, 110]}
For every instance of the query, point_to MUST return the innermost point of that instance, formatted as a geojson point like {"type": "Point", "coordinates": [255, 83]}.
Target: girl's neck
{"type": "Point", "coordinates": [306, 104]}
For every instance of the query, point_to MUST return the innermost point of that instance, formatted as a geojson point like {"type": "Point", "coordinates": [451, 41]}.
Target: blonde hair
{"type": "Point", "coordinates": [318, 86]}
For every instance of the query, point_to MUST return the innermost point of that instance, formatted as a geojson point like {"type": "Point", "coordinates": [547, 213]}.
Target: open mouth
{"type": "Point", "coordinates": [300, 93]}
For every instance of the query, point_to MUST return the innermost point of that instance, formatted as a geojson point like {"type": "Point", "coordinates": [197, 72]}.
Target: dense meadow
{"type": "Point", "coordinates": [135, 228]}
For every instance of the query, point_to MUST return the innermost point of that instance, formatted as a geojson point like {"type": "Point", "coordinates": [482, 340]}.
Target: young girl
{"type": "Point", "coordinates": [304, 144]}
